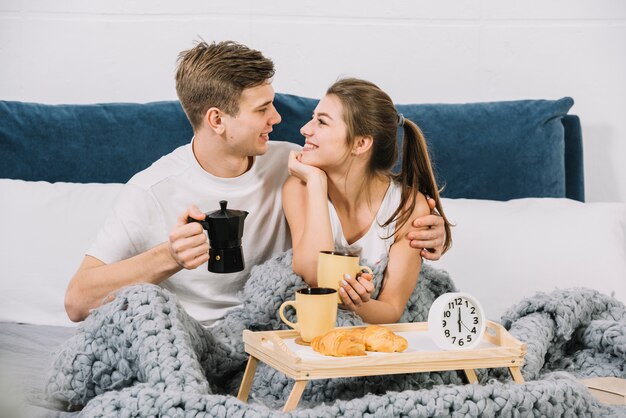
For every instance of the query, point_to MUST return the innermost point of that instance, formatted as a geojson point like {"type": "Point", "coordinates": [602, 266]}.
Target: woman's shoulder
{"type": "Point", "coordinates": [420, 208]}
{"type": "Point", "coordinates": [421, 204]}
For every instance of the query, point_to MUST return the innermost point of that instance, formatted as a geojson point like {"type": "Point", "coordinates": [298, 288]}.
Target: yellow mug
{"type": "Point", "coordinates": [316, 311]}
{"type": "Point", "coordinates": [332, 265]}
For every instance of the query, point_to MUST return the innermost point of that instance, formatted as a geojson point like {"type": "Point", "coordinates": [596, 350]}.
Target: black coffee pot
{"type": "Point", "coordinates": [225, 228]}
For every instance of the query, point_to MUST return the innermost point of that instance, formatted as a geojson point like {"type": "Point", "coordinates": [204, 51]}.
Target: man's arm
{"type": "Point", "coordinates": [187, 247]}
{"type": "Point", "coordinates": [428, 234]}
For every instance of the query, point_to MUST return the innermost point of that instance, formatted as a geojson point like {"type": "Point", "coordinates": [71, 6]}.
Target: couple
{"type": "Point", "coordinates": [340, 195]}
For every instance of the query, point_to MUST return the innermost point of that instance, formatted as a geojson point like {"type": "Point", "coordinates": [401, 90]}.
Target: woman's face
{"type": "Point", "coordinates": [325, 135]}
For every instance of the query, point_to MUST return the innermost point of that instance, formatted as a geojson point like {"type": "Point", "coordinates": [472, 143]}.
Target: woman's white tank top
{"type": "Point", "coordinates": [375, 244]}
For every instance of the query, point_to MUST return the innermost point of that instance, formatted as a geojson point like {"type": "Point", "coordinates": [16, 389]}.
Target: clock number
{"type": "Point", "coordinates": [444, 323]}
{"type": "Point", "coordinates": [447, 333]}
{"type": "Point", "coordinates": [469, 338]}
{"type": "Point", "coordinates": [456, 302]}
{"type": "Point", "coordinates": [473, 310]}
{"type": "Point", "coordinates": [475, 320]}
{"type": "Point", "coordinates": [446, 314]}
{"type": "Point", "coordinates": [474, 330]}
{"type": "Point", "coordinates": [453, 340]}
{"type": "Point", "coordinates": [461, 341]}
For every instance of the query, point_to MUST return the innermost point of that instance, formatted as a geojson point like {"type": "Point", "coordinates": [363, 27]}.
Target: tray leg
{"type": "Point", "coordinates": [294, 396]}
{"type": "Point", "coordinates": [246, 382]}
{"type": "Point", "coordinates": [471, 375]}
{"type": "Point", "coordinates": [516, 374]}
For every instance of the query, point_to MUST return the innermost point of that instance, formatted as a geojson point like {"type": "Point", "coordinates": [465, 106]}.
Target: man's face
{"type": "Point", "coordinates": [248, 132]}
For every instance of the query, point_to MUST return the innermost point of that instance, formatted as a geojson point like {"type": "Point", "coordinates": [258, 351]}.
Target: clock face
{"type": "Point", "coordinates": [456, 321]}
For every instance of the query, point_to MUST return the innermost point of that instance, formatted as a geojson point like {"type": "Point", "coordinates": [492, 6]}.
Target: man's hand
{"type": "Point", "coordinates": [188, 244]}
{"type": "Point", "coordinates": [356, 291]}
{"type": "Point", "coordinates": [428, 234]}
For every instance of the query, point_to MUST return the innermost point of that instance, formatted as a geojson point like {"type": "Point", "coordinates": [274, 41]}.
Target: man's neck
{"type": "Point", "coordinates": [218, 160]}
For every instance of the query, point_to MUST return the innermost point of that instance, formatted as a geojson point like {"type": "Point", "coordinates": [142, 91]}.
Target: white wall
{"type": "Point", "coordinates": [70, 51]}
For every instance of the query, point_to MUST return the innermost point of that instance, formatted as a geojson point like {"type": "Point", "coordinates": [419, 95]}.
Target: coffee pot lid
{"type": "Point", "coordinates": [224, 213]}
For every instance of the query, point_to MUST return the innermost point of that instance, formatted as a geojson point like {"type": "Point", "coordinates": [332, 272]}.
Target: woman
{"type": "Point", "coordinates": [341, 194]}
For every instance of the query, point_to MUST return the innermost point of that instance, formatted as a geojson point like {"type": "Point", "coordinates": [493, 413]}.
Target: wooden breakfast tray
{"type": "Point", "coordinates": [278, 349]}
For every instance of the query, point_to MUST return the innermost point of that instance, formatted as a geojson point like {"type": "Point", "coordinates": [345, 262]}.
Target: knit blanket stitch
{"type": "Point", "coordinates": [142, 355]}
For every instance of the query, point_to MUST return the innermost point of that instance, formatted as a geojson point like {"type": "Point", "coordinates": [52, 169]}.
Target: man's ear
{"type": "Point", "coordinates": [362, 144]}
{"type": "Point", "coordinates": [214, 120]}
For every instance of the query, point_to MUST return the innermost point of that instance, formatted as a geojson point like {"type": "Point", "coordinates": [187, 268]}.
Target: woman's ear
{"type": "Point", "coordinates": [362, 144]}
{"type": "Point", "coordinates": [214, 120]}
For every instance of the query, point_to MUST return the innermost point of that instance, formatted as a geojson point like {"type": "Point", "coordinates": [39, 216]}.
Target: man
{"type": "Point", "coordinates": [226, 92]}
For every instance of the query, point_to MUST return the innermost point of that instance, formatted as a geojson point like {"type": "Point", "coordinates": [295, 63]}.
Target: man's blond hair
{"type": "Point", "coordinates": [215, 75]}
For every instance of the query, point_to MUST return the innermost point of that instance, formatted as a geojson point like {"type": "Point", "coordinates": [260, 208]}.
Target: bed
{"type": "Point", "coordinates": [513, 182]}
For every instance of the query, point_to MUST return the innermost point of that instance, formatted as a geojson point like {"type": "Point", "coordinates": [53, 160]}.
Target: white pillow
{"type": "Point", "coordinates": [503, 252]}
{"type": "Point", "coordinates": [45, 230]}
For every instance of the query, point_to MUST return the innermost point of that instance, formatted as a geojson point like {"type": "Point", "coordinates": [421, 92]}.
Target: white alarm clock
{"type": "Point", "coordinates": [456, 320]}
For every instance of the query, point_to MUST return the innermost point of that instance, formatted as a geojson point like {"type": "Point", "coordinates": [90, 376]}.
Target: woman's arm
{"type": "Point", "coordinates": [400, 277]}
{"type": "Point", "coordinates": [305, 203]}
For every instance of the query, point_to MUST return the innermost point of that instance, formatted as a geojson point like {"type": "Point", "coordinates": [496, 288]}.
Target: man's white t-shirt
{"type": "Point", "coordinates": [151, 202]}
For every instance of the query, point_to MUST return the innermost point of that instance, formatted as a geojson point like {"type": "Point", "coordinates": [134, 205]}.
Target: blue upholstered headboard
{"type": "Point", "coordinates": [498, 150]}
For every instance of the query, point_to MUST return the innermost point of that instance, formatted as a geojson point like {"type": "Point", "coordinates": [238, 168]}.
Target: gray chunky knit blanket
{"type": "Point", "coordinates": [143, 355]}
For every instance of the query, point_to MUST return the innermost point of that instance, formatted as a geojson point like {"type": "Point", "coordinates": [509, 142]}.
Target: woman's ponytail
{"type": "Point", "coordinates": [416, 174]}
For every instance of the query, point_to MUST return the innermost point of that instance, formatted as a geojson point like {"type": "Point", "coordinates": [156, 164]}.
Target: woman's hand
{"type": "Point", "coordinates": [303, 171]}
{"type": "Point", "coordinates": [354, 292]}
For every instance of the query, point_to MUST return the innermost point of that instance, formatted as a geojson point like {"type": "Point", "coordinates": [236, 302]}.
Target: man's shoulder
{"type": "Point", "coordinates": [274, 162]}
{"type": "Point", "coordinates": [282, 147]}
{"type": "Point", "coordinates": [277, 155]}
{"type": "Point", "coordinates": [168, 165]}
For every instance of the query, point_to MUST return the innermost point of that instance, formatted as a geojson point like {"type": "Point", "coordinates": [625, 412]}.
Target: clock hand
{"type": "Point", "coordinates": [459, 321]}
{"type": "Point", "coordinates": [462, 323]}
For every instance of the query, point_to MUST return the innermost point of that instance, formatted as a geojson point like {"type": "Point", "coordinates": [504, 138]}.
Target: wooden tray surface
{"type": "Point", "coordinates": [279, 350]}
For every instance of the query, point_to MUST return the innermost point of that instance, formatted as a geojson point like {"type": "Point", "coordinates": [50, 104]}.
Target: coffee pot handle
{"type": "Point", "coordinates": [281, 310]}
{"type": "Point", "coordinates": [204, 223]}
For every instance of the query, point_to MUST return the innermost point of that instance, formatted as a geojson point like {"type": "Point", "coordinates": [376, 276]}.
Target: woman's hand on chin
{"type": "Point", "coordinates": [303, 171]}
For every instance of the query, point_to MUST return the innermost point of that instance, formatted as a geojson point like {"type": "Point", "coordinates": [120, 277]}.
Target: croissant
{"type": "Point", "coordinates": [355, 341]}
{"type": "Point", "coordinates": [377, 338]}
{"type": "Point", "coordinates": [338, 343]}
